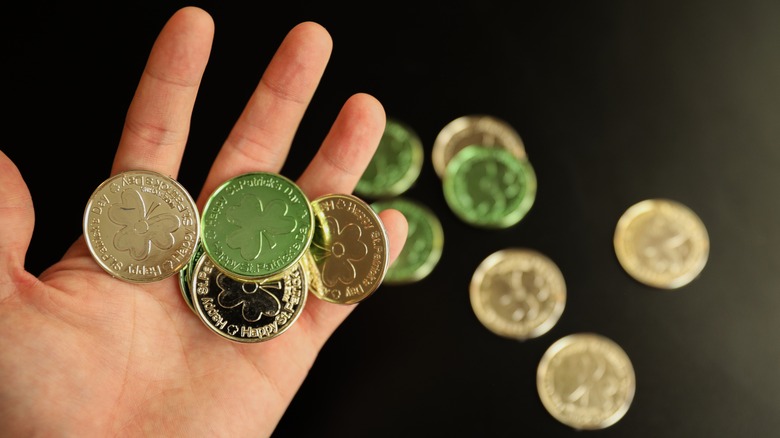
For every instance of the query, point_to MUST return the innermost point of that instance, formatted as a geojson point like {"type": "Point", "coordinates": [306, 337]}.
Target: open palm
{"type": "Point", "coordinates": [86, 354]}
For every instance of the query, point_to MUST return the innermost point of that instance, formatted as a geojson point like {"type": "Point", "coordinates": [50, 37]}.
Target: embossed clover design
{"type": "Point", "coordinates": [140, 227]}
{"type": "Point", "coordinates": [255, 298]}
{"type": "Point", "coordinates": [342, 250]}
{"type": "Point", "coordinates": [257, 223]}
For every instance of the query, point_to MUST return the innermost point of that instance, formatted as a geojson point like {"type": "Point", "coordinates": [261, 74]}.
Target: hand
{"type": "Point", "coordinates": [85, 354]}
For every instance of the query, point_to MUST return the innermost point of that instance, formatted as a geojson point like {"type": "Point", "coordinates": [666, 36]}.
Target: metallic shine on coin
{"type": "Point", "coordinates": [257, 225]}
{"type": "Point", "coordinates": [247, 311]}
{"type": "Point", "coordinates": [350, 249]}
{"type": "Point", "coordinates": [586, 381]}
{"type": "Point", "coordinates": [464, 131]}
{"type": "Point", "coordinates": [141, 226]}
{"type": "Point", "coordinates": [518, 293]}
{"type": "Point", "coordinates": [661, 243]}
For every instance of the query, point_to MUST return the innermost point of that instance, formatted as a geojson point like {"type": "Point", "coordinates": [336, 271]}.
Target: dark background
{"type": "Point", "coordinates": [616, 102]}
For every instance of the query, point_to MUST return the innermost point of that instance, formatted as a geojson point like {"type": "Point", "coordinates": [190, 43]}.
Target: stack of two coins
{"type": "Point", "coordinates": [246, 264]}
{"type": "Point", "coordinates": [487, 179]}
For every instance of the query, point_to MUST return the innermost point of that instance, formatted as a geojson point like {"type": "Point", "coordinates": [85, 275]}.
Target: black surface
{"type": "Point", "coordinates": [616, 102]}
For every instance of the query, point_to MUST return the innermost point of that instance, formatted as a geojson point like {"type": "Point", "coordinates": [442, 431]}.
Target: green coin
{"type": "Point", "coordinates": [257, 225]}
{"type": "Point", "coordinates": [489, 187]}
{"type": "Point", "coordinates": [424, 241]}
{"type": "Point", "coordinates": [396, 164]}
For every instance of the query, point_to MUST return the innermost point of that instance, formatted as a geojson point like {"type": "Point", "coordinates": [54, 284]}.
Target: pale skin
{"type": "Point", "coordinates": [126, 359]}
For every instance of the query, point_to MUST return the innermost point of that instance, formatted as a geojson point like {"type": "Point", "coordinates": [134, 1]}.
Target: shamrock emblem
{"type": "Point", "coordinates": [343, 248]}
{"type": "Point", "coordinates": [256, 223]}
{"type": "Point", "coordinates": [140, 228]}
{"type": "Point", "coordinates": [254, 298]}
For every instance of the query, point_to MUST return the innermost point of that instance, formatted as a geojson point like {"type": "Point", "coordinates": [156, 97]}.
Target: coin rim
{"type": "Point", "coordinates": [489, 262]}
{"type": "Point", "coordinates": [544, 366]}
{"type": "Point", "coordinates": [647, 205]}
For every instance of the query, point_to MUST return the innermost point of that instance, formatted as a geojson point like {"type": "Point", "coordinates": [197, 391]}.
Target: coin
{"type": "Point", "coordinates": [489, 187]}
{"type": "Point", "coordinates": [586, 381]}
{"type": "Point", "coordinates": [396, 164]}
{"type": "Point", "coordinates": [484, 130]}
{"type": "Point", "coordinates": [185, 277]}
{"type": "Point", "coordinates": [661, 243]}
{"type": "Point", "coordinates": [350, 249]}
{"type": "Point", "coordinates": [141, 226]}
{"type": "Point", "coordinates": [257, 225]}
{"type": "Point", "coordinates": [424, 241]}
{"type": "Point", "coordinates": [247, 311]}
{"type": "Point", "coordinates": [518, 293]}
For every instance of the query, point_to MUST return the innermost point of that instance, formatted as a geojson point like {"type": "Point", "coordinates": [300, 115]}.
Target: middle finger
{"type": "Point", "coordinates": [261, 138]}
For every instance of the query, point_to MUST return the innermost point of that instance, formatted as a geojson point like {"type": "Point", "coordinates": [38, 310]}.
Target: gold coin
{"type": "Point", "coordinates": [349, 248]}
{"type": "Point", "coordinates": [586, 381]}
{"type": "Point", "coordinates": [661, 243]}
{"type": "Point", "coordinates": [518, 293]}
{"type": "Point", "coordinates": [141, 226]}
{"type": "Point", "coordinates": [481, 130]}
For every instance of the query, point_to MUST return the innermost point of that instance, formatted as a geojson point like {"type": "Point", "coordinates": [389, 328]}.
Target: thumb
{"type": "Point", "coordinates": [17, 219]}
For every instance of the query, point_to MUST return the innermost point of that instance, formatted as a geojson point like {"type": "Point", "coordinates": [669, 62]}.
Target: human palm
{"type": "Point", "coordinates": [90, 355]}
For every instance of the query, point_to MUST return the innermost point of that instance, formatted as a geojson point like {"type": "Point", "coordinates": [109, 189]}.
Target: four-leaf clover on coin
{"type": "Point", "coordinates": [340, 250]}
{"type": "Point", "coordinates": [254, 297]}
{"type": "Point", "coordinates": [140, 228]}
{"type": "Point", "coordinates": [256, 223]}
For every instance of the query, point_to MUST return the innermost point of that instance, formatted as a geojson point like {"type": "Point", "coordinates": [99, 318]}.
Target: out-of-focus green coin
{"type": "Point", "coordinates": [257, 225]}
{"type": "Point", "coordinates": [489, 187]}
{"type": "Point", "coordinates": [424, 241]}
{"type": "Point", "coordinates": [396, 164]}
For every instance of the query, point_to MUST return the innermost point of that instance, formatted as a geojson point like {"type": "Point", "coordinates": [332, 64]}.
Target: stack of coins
{"type": "Point", "coordinates": [392, 171]}
{"type": "Point", "coordinates": [487, 179]}
{"type": "Point", "coordinates": [245, 266]}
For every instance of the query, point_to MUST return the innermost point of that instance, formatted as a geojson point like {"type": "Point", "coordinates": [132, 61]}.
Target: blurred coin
{"type": "Point", "coordinates": [518, 293]}
{"type": "Point", "coordinates": [661, 243]}
{"type": "Point", "coordinates": [349, 248]}
{"type": "Point", "coordinates": [396, 164]}
{"type": "Point", "coordinates": [247, 311]}
{"type": "Point", "coordinates": [141, 226]}
{"type": "Point", "coordinates": [586, 381]}
{"type": "Point", "coordinates": [484, 130]}
{"type": "Point", "coordinates": [424, 241]}
{"type": "Point", "coordinates": [489, 187]}
{"type": "Point", "coordinates": [257, 225]}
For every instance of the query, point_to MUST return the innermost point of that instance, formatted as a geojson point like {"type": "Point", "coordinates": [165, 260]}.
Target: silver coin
{"type": "Point", "coordinates": [661, 243]}
{"type": "Point", "coordinates": [586, 381]}
{"type": "Point", "coordinates": [518, 293]}
{"type": "Point", "coordinates": [141, 226]}
{"type": "Point", "coordinates": [247, 311]}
